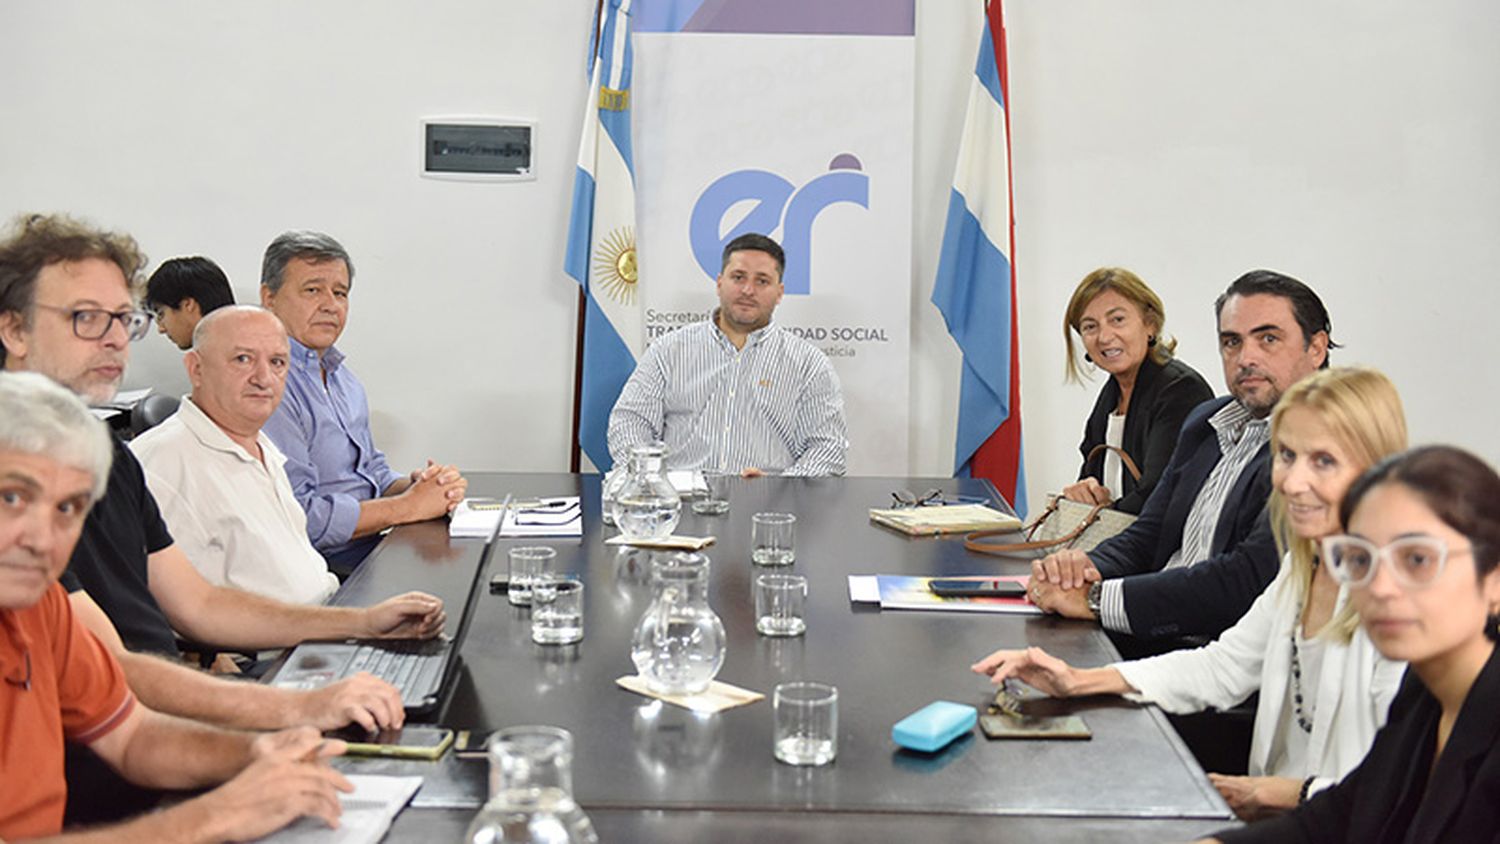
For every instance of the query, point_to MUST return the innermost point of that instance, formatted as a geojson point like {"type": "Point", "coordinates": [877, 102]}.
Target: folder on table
{"type": "Point", "coordinates": [950, 518]}
{"type": "Point", "coordinates": [907, 592]}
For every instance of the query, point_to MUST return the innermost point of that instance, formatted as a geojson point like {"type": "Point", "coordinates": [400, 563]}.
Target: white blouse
{"type": "Point", "coordinates": [1114, 435]}
{"type": "Point", "coordinates": [1346, 691]}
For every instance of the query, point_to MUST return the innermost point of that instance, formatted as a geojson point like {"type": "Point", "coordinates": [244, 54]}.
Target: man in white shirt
{"type": "Point", "coordinates": [219, 481]}
{"type": "Point", "coordinates": [735, 391]}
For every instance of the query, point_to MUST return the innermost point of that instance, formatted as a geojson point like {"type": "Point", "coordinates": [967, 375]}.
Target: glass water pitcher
{"type": "Point", "coordinates": [645, 505]}
{"type": "Point", "coordinates": [609, 488]}
{"type": "Point", "coordinates": [531, 791]}
{"type": "Point", "coordinates": [679, 643]}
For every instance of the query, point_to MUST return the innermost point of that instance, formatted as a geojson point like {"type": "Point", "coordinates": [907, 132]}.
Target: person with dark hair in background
{"type": "Point", "coordinates": [735, 391]}
{"type": "Point", "coordinates": [1141, 408]}
{"type": "Point", "coordinates": [183, 291]}
{"type": "Point", "coordinates": [67, 311]}
{"type": "Point", "coordinates": [1422, 561]}
{"type": "Point", "coordinates": [1202, 549]}
{"type": "Point", "coordinates": [345, 485]}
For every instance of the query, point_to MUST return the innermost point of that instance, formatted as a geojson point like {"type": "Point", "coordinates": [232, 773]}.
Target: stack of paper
{"type": "Point", "coordinates": [561, 516]}
{"type": "Point", "coordinates": [474, 517]}
{"type": "Point", "coordinates": [367, 813]}
{"type": "Point", "coordinates": [687, 482]}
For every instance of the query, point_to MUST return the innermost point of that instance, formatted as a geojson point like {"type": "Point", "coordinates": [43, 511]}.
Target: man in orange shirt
{"type": "Point", "coordinates": [60, 682]}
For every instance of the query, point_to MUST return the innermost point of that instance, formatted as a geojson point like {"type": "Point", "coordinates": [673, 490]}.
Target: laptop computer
{"type": "Point", "coordinates": [421, 669]}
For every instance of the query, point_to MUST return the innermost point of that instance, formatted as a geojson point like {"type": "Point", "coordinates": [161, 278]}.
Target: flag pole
{"type": "Point", "coordinates": [575, 449]}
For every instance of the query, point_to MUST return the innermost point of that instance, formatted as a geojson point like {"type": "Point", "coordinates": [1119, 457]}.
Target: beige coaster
{"type": "Point", "coordinates": [681, 543]}
{"type": "Point", "coordinates": [716, 698]}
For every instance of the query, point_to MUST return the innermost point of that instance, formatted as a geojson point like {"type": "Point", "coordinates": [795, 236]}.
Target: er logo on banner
{"type": "Point", "coordinates": [778, 204]}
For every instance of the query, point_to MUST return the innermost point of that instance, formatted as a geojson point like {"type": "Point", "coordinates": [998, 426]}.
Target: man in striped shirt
{"type": "Point", "coordinates": [1202, 549]}
{"type": "Point", "coordinates": [736, 392]}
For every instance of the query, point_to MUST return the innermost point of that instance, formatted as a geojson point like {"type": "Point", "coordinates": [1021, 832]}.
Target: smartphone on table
{"type": "Point", "coordinates": [472, 744]}
{"type": "Point", "coordinates": [414, 742]}
{"type": "Point", "coordinates": [969, 588]}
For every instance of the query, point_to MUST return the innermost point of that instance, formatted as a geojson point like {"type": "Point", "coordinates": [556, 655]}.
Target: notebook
{"type": "Point", "coordinates": [556, 517]}
{"type": "Point", "coordinates": [421, 669]}
{"type": "Point", "coordinates": [366, 814]}
{"type": "Point", "coordinates": [953, 518]}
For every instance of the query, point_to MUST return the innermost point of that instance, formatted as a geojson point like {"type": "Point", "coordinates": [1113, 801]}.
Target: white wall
{"type": "Point", "coordinates": [1349, 144]}
{"type": "Point", "coordinates": [211, 127]}
{"type": "Point", "coordinates": [1352, 145]}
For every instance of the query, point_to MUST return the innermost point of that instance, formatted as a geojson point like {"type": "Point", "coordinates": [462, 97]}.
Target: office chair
{"type": "Point", "coordinates": [150, 412]}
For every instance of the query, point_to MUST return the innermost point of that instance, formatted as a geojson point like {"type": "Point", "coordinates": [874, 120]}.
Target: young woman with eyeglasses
{"type": "Point", "coordinates": [1422, 561]}
{"type": "Point", "coordinates": [1324, 688]}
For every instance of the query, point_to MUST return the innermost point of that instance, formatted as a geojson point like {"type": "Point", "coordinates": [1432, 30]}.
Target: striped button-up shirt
{"type": "Point", "coordinates": [774, 405]}
{"type": "Point", "coordinates": [1240, 437]}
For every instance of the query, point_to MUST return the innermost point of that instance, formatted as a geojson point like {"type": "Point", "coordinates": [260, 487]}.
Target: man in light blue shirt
{"type": "Point", "coordinates": [735, 391]}
{"type": "Point", "coordinates": [342, 480]}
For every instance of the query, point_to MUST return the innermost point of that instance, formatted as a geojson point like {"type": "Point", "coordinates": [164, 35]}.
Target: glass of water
{"type": "Point", "coordinates": [779, 602]}
{"type": "Point", "coordinates": [527, 563]}
{"type": "Point", "coordinates": [806, 729]}
{"type": "Point", "coordinates": [772, 537]}
{"type": "Point", "coordinates": [557, 610]}
{"type": "Point", "coordinates": [715, 497]}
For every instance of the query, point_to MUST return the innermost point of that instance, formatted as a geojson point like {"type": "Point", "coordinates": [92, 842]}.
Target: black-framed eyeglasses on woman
{"type": "Point", "coordinates": [93, 323]}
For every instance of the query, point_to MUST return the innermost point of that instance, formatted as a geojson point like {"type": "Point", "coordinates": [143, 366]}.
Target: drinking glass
{"type": "Point", "coordinates": [806, 729]}
{"type": "Point", "coordinates": [779, 602]}
{"type": "Point", "coordinates": [556, 610]}
{"type": "Point", "coordinates": [715, 497]}
{"type": "Point", "coordinates": [771, 539]}
{"type": "Point", "coordinates": [527, 563]}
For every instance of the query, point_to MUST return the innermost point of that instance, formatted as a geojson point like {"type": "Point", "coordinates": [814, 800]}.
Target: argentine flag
{"type": "Point", "coordinates": [601, 232]}
{"type": "Point", "coordinates": [975, 288]}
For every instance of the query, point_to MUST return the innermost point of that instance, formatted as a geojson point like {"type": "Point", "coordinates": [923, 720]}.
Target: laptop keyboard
{"type": "Point", "coordinates": [400, 663]}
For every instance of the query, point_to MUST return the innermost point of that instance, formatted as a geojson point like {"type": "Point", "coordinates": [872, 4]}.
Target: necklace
{"type": "Point", "coordinates": [1302, 719]}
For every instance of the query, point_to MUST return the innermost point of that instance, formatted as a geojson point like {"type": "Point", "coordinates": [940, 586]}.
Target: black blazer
{"type": "Point", "coordinates": [1211, 595]}
{"type": "Point", "coordinates": [1164, 395]}
{"type": "Point", "coordinates": [1389, 797]}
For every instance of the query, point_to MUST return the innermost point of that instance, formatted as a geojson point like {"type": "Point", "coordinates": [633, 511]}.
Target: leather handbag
{"type": "Point", "coordinates": [1064, 523]}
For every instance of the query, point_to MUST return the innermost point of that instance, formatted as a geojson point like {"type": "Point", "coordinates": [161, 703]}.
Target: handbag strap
{"type": "Point", "coordinates": [1134, 470]}
{"type": "Point", "coordinates": [972, 543]}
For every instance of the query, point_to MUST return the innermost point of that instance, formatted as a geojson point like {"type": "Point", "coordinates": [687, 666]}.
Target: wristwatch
{"type": "Point", "coordinates": [1302, 793]}
{"type": "Point", "coordinates": [1095, 594]}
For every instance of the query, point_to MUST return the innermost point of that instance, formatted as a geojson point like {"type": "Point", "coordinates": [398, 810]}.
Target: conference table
{"type": "Point", "coordinates": [649, 771]}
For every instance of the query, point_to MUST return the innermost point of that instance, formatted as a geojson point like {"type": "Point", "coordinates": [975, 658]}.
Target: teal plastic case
{"type": "Point", "coordinates": [933, 726]}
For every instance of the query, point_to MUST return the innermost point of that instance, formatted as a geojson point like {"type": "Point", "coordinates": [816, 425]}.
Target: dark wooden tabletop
{"type": "Point", "coordinates": [636, 754]}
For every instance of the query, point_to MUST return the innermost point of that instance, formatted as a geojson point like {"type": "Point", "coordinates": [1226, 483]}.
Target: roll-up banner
{"type": "Point", "coordinates": [792, 118]}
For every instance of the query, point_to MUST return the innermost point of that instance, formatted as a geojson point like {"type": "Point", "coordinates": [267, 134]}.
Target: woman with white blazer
{"type": "Point", "coordinates": [1324, 688]}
